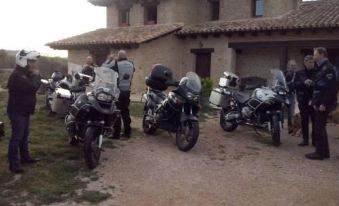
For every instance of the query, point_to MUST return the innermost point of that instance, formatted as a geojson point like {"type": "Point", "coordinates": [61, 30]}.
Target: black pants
{"type": "Point", "coordinates": [322, 147]}
{"type": "Point", "coordinates": [123, 104]}
{"type": "Point", "coordinates": [19, 139]}
{"type": "Point", "coordinates": [307, 113]}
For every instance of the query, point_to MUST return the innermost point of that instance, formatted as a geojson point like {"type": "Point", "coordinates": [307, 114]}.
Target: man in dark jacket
{"type": "Point", "coordinates": [324, 101]}
{"type": "Point", "coordinates": [89, 67]}
{"type": "Point", "coordinates": [22, 87]}
{"type": "Point", "coordinates": [290, 75]}
{"type": "Point", "coordinates": [303, 84]}
{"type": "Point", "coordinates": [125, 69]}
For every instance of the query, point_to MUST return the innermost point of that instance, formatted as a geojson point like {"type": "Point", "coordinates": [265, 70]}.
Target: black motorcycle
{"type": "Point", "coordinates": [93, 115]}
{"type": "Point", "coordinates": [263, 108]}
{"type": "Point", "coordinates": [176, 112]}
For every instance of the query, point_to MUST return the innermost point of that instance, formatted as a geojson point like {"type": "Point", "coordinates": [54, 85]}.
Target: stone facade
{"type": "Point", "coordinates": [196, 11]}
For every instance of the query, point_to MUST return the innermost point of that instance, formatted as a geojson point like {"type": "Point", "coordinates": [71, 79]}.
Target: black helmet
{"type": "Point", "coordinates": [57, 76]}
{"type": "Point", "coordinates": [161, 78]}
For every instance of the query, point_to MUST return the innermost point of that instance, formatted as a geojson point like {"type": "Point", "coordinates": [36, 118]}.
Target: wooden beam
{"type": "Point", "coordinates": [204, 50]}
{"type": "Point", "coordinates": [280, 44]}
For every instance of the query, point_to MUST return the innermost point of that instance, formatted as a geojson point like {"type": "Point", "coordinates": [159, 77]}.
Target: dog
{"type": "Point", "coordinates": [295, 130]}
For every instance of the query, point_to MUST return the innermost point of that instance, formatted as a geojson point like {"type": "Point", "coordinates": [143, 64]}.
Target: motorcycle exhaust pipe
{"type": "Point", "coordinates": [230, 117]}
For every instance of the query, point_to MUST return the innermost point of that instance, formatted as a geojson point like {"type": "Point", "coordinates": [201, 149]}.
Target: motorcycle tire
{"type": "Point", "coordinates": [92, 152]}
{"type": "Point", "coordinates": [275, 131]}
{"type": "Point", "coordinates": [73, 141]}
{"type": "Point", "coordinates": [227, 126]}
{"type": "Point", "coordinates": [147, 127]}
{"type": "Point", "coordinates": [191, 140]}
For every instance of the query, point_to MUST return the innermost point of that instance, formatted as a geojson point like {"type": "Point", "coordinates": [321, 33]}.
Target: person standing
{"type": "Point", "coordinates": [23, 84]}
{"type": "Point", "coordinates": [89, 67]}
{"type": "Point", "coordinates": [125, 69]}
{"type": "Point", "coordinates": [324, 101]}
{"type": "Point", "coordinates": [290, 75]}
{"type": "Point", "coordinates": [304, 83]}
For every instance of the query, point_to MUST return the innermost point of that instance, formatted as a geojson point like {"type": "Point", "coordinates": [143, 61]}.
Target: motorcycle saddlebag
{"type": "Point", "coordinates": [218, 98]}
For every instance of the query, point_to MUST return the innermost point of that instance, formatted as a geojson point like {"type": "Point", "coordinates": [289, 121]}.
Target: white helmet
{"type": "Point", "coordinates": [23, 56]}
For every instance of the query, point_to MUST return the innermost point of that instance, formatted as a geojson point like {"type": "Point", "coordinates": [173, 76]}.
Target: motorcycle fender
{"type": "Point", "coordinates": [185, 117]}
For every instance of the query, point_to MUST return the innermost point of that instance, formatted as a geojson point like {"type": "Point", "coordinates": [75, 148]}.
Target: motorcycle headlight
{"type": "Point", "coordinates": [192, 97]}
{"type": "Point", "coordinates": [103, 97]}
{"type": "Point", "coordinates": [282, 93]}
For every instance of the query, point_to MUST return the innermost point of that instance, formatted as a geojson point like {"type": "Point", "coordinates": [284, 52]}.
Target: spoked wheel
{"type": "Point", "coordinates": [187, 135]}
{"type": "Point", "coordinates": [147, 124]}
{"type": "Point", "coordinates": [92, 150]}
{"type": "Point", "coordinates": [227, 126]}
{"type": "Point", "coordinates": [275, 131]}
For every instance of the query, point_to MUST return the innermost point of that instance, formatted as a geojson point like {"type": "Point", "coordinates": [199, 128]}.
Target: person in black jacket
{"type": "Point", "coordinates": [290, 75]}
{"type": "Point", "coordinates": [22, 86]}
{"type": "Point", "coordinates": [303, 84]}
{"type": "Point", "coordinates": [324, 101]}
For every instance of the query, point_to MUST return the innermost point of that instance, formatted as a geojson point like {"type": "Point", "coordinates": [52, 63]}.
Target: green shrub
{"type": "Point", "coordinates": [207, 86]}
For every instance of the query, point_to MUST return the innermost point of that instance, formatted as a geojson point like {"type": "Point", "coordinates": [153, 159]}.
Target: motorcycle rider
{"type": "Point", "coordinates": [304, 83]}
{"type": "Point", "coordinates": [125, 69]}
{"type": "Point", "coordinates": [23, 84]}
{"type": "Point", "coordinates": [290, 75]}
{"type": "Point", "coordinates": [89, 67]}
{"type": "Point", "coordinates": [324, 101]}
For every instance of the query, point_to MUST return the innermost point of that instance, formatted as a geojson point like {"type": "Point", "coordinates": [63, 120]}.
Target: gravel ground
{"type": "Point", "coordinates": [239, 168]}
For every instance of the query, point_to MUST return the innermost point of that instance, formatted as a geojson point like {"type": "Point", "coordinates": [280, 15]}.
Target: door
{"type": "Point", "coordinates": [333, 56]}
{"type": "Point", "coordinates": [203, 63]}
{"type": "Point", "coordinates": [99, 56]}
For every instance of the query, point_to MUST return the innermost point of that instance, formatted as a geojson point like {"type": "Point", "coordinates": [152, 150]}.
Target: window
{"type": "Point", "coordinates": [215, 5]}
{"type": "Point", "coordinates": [258, 8]}
{"type": "Point", "coordinates": [151, 14]}
{"type": "Point", "coordinates": [124, 17]}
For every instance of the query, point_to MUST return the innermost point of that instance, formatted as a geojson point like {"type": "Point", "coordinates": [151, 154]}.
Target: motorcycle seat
{"type": "Point", "coordinates": [242, 97]}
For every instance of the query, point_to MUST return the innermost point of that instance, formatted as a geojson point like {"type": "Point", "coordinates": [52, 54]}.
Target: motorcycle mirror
{"type": "Point", "coordinates": [44, 81]}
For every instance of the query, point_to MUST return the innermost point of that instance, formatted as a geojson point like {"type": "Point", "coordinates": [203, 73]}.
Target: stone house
{"type": "Point", "coordinates": [248, 37]}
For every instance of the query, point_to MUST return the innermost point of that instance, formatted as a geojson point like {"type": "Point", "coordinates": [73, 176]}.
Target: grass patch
{"type": "Point", "coordinates": [137, 109]}
{"type": "Point", "coordinates": [4, 75]}
{"type": "Point", "coordinates": [56, 177]}
{"type": "Point", "coordinates": [94, 197]}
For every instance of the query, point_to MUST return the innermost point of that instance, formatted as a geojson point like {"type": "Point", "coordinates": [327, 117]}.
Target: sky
{"type": "Point", "coordinates": [31, 24]}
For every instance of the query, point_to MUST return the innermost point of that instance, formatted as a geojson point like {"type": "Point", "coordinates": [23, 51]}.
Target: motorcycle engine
{"type": "Point", "coordinates": [246, 112]}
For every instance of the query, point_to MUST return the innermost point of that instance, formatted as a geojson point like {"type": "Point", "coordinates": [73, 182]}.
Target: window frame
{"type": "Point", "coordinates": [254, 8]}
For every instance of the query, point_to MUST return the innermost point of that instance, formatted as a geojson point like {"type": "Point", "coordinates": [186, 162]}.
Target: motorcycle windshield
{"type": "Point", "coordinates": [106, 78]}
{"type": "Point", "coordinates": [193, 82]}
{"type": "Point", "coordinates": [277, 79]}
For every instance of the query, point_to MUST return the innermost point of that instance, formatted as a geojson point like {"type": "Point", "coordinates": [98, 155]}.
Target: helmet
{"type": "Point", "coordinates": [23, 56]}
{"type": "Point", "coordinates": [161, 77]}
{"type": "Point", "coordinates": [57, 76]}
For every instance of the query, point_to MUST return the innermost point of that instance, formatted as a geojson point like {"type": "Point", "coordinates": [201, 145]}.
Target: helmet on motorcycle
{"type": "Point", "coordinates": [57, 76]}
{"type": "Point", "coordinates": [23, 56]}
{"type": "Point", "coordinates": [161, 78]}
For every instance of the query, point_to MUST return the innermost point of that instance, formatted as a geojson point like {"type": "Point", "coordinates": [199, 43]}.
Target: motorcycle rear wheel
{"type": "Point", "coordinates": [227, 126]}
{"type": "Point", "coordinates": [187, 135]}
{"type": "Point", "coordinates": [92, 152]}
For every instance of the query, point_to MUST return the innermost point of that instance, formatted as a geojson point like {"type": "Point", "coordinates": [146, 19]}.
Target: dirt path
{"type": "Point", "coordinates": [223, 169]}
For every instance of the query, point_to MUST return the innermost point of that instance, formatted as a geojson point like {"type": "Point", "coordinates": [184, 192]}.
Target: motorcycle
{"type": "Point", "coordinates": [93, 115]}
{"type": "Point", "coordinates": [261, 109]}
{"type": "Point", "coordinates": [176, 112]}
{"type": "Point", "coordinates": [50, 86]}
{"type": "Point", "coordinates": [63, 92]}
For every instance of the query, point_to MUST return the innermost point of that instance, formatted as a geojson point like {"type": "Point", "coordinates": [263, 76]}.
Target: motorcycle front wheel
{"type": "Point", "coordinates": [187, 135]}
{"type": "Point", "coordinates": [92, 151]}
{"type": "Point", "coordinates": [147, 126]}
{"type": "Point", "coordinates": [275, 130]}
{"type": "Point", "coordinates": [227, 126]}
